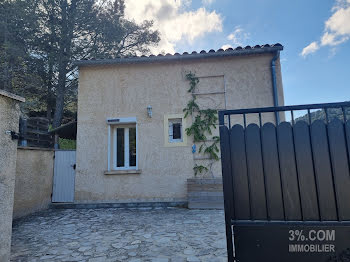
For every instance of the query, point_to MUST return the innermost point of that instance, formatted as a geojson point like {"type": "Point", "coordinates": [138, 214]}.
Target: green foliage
{"type": "Point", "coordinates": [191, 107]}
{"type": "Point", "coordinates": [209, 119]}
{"type": "Point", "coordinates": [203, 123]}
{"type": "Point", "coordinates": [333, 113]}
{"type": "Point", "coordinates": [193, 81]}
{"type": "Point", "coordinates": [199, 169]}
{"type": "Point", "coordinates": [67, 144]}
{"type": "Point", "coordinates": [213, 149]}
{"type": "Point", "coordinates": [19, 71]}
{"type": "Point", "coordinates": [196, 129]}
{"type": "Point", "coordinates": [40, 39]}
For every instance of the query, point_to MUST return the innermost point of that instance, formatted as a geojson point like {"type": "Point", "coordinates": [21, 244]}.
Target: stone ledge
{"type": "Point", "coordinates": [179, 204]}
{"type": "Point", "coordinates": [123, 172]}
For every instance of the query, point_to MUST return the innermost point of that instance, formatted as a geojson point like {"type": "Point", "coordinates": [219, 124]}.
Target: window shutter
{"type": "Point", "coordinates": [170, 130]}
{"type": "Point", "coordinates": [177, 131]}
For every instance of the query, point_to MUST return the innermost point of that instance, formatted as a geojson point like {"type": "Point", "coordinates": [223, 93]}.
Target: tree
{"type": "Point", "coordinates": [63, 31]}
{"type": "Point", "coordinates": [86, 29]}
{"type": "Point", "coordinates": [15, 36]}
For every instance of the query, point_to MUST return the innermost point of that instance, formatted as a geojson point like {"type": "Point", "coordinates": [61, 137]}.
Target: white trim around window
{"type": "Point", "coordinates": [124, 125]}
{"type": "Point", "coordinates": [169, 120]}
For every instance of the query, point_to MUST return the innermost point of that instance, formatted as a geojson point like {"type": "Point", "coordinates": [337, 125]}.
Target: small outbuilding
{"type": "Point", "coordinates": [134, 140]}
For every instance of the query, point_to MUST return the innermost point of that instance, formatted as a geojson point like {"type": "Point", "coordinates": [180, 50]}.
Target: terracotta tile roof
{"type": "Point", "coordinates": [238, 51]}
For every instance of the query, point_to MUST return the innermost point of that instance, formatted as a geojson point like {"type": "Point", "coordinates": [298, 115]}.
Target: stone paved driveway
{"type": "Point", "coordinates": [99, 235]}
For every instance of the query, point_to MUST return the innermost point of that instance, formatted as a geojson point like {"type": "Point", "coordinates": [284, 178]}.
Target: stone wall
{"type": "Point", "coordinates": [9, 119]}
{"type": "Point", "coordinates": [34, 176]}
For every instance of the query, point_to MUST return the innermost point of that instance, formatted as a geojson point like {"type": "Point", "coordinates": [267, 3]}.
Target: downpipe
{"type": "Point", "coordinates": [274, 85]}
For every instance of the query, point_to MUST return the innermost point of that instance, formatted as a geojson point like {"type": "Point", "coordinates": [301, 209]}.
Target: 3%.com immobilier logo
{"type": "Point", "coordinates": [309, 238]}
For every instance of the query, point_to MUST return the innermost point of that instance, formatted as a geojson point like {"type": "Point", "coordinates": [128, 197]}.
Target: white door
{"type": "Point", "coordinates": [64, 176]}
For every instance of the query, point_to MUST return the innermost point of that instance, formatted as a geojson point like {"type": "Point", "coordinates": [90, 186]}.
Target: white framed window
{"type": "Point", "coordinates": [122, 144]}
{"type": "Point", "coordinates": [174, 130]}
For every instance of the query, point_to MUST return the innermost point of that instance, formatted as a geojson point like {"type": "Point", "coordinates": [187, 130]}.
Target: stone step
{"type": "Point", "coordinates": [206, 205]}
{"type": "Point", "coordinates": [206, 193]}
{"type": "Point", "coordinates": [118, 205]}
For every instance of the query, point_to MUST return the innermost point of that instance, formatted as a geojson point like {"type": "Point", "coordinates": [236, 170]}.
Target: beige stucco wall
{"type": "Point", "coordinates": [127, 90]}
{"type": "Point", "coordinates": [9, 119]}
{"type": "Point", "coordinates": [34, 176]}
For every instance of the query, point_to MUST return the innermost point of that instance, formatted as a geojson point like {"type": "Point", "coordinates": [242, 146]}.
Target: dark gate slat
{"type": "Point", "coordinates": [288, 172]}
{"type": "Point", "coordinates": [255, 173]}
{"type": "Point", "coordinates": [337, 146]}
{"type": "Point", "coordinates": [226, 169]}
{"type": "Point", "coordinates": [347, 132]}
{"type": "Point", "coordinates": [227, 187]}
{"type": "Point", "coordinates": [272, 172]}
{"type": "Point", "coordinates": [239, 173]}
{"type": "Point", "coordinates": [323, 171]}
{"type": "Point", "coordinates": [306, 174]}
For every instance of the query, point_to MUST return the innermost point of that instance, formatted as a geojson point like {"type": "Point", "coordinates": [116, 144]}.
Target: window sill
{"type": "Point", "coordinates": [123, 172]}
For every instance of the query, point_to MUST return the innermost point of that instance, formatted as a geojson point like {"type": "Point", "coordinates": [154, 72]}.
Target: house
{"type": "Point", "coordinates": [132, 144]}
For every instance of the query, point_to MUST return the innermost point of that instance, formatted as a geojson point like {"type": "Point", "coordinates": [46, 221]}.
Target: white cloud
{"type": "Point", "coordinates": [174, 23]}
{"type": "Point", "coordinates": [337, 27]}
{"type": "Point", "coordinates": [332, 39]}
{"type": "Point", "coordinates": [226, 46]}
{"type": "Point", "coordinates": [238, 36]}
{"type": "Point", "coordinates": [207, 2]}
{"type": "Point", "coordinates": [311, 48]}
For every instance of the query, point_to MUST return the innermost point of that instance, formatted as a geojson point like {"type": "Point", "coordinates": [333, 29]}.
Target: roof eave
{"type": "Point", "coordinates": [178, 57]}
{"type": "Point", "coordinates": [12, 96]}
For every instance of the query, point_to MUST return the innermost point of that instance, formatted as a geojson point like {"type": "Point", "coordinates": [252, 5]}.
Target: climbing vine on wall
{"type": "Point", "coordinates": [204, 121]}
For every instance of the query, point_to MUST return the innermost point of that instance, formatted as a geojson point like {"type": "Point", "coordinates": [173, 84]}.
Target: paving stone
{"type": "Point", "coordinates": [131, 247]}
{"type": "Point", "coordinates": [97, 259]}
{"type": "Point", "coordinates": [193, 259]}
{"type": "Point", "coordinates": [101, 249]}
{"type": "Point", "coordinates": [147, 236]}
{"type": "Point", "coordinates": [179, 259]}
{"type": "Point", "coordinates": [163, 240]}
{"type": "Point", "coordinates": [46, 257]}
{"type": "Point", "coordinates": [117, 245]}
{"type": "Point", "coordinates": [160, 259]}
{"type": "Point", "coordinates": [110, 235]}
{"type": "Point", "coordinates": [132, 254]}
{"type": "Point", "coordinates": [83, 249]}
{"type": "Point", "coordinates": [135, 260]}
{"type": "Point", "coordinates": [219, 244]}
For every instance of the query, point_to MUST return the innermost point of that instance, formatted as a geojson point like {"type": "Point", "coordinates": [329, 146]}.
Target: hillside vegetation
{"type": "Point", "coordinates": [333, 113]}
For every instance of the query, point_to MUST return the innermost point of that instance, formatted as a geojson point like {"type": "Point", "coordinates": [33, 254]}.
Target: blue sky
{"type": "Point", "coordinates": [320, 74]}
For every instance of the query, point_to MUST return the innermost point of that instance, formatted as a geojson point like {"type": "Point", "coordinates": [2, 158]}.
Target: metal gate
{"type": "Point", "coordinates": [64, 176]}
{"type": "Point", "coordinates": [287, 187]}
